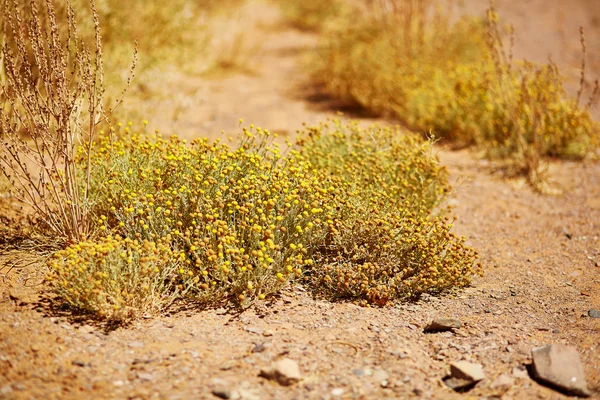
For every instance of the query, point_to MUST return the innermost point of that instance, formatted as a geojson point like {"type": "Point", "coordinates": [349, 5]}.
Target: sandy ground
{"type": "Point", "coordinates": [541, 256]}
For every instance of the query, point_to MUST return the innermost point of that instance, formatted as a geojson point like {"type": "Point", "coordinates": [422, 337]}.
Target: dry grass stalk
{"type": "Point", "coordinates": [537, 103]}
{"type": "Point", "coordinates": [54, 102]}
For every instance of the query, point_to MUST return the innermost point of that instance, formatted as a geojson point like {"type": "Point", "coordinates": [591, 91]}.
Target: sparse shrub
{"type": "Point", "coordinates": [407, 60]}
{"type": "Point", "coordinates": [53, 93]}
{"type": "Point", "coordinates": [147, 221]}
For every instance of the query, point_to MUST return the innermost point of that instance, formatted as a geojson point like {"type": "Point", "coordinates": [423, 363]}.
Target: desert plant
{"type": "Point", "coordinates": [117, 278]}
{"type": "Point", "coordinates": [386, 241]}
{"type": "Point", "coordinates": [54, 91]}
{"type": "Point", "coordinates": [241, 223]}
{"type": "Point", "coordinates": [532, 114]}
{"type": "Point", "coordinates": [408, 60]}
{"type": "Point", "coordinates": [237, 220]}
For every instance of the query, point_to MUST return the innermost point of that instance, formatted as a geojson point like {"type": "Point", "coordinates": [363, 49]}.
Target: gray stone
{"type": "Point", "coordinates": [467, 370]}
{"type": "Point", "coordinates": [227, 365]}
{"type": "Point", "coordinates": [222, 390]}
{"type": "Point", "coordinates": [259, 348]}
{"type": "Point", "coordinates": [398, 352]}
{"type": "Point", "coordinates": [254, 330]}
{"type": "Point", "coordinates": [560, 367]}
{"type": "Point", "coordinates": [285, 371]}
{"type": "Point", "coordinates": [6, 390]}
{"type": "Point", "coordinates": [246, 394]}
{"type": "Point", "coordinates": [593, 313]}
{"type": "Point", "coordinates": [443, 325]}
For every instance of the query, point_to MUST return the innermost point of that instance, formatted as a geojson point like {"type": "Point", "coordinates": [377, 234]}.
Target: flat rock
{"type": "Point", "coordinates": [145, 376]}
{"type": "Point", "coordinates": [467, 371]}
{"type": "Point", "coordinates": [285, 371]}
{"type": "Point", "coordinates": [560, 367]}
{"type": "Point", "coordinates": [443, 325]}
{"type": "Point", "coordinates": [223, 390]}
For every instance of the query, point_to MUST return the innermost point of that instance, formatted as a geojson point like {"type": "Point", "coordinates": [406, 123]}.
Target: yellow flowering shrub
{"type": "Point", "coordinates": [385, 241]}
{"type": "Point", "coordinates": [386, 159]}
{"type": "Point", "coordinates": [350, 211]}
{"type": "Point", "coordinates": [457, 80]}
{"type": "Point", "coordinates": [117, 277]}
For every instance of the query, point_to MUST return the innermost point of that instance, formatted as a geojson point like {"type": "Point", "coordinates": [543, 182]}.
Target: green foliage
{"type": "Point", "coordinates": [240, 223]}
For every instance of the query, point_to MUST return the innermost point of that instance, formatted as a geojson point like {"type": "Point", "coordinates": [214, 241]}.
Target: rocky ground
{"type": "Point", "coordinates": [541, 286]}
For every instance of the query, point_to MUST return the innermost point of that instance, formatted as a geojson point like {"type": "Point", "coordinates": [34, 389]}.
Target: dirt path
{"type": "Point", "coordinates": [541, 258]}
{"type": "Point", "coordinates": [269, 93]}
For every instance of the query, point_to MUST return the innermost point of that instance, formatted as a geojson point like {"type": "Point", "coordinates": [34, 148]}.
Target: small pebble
{"type": "Point", "coordinates": [593, 313]}
{"type": "Point", "coordinates": [222, 392]}
{"type": "Point", "coordinates": [443, 325]}
{"type": "Point", "coordinates": [145, 376]}
{"type": "Point", "coordinates": [259, 348]}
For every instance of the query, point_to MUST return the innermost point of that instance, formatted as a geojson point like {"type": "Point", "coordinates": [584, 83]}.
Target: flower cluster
{"type": "Point", "coordinates": [387, 241]}
{"type": "Point", "coordinates": [117, 277]}
{"type": "Point", "coordinates": [206, 222]}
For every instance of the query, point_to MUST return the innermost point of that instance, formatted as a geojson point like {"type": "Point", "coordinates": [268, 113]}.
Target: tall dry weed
{"type": "Point", "coordinates": [53, 91]}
